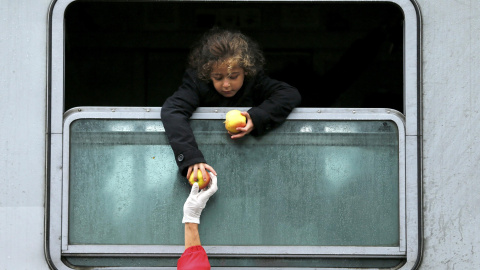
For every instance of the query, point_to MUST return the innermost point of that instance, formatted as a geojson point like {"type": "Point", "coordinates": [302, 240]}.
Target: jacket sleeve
{"type": "Point", "coordinates": [193, 258]}
{"type": "Point", "coordinates": [175, 115]}
{"type": "Point", "coordinates": [279, 99]}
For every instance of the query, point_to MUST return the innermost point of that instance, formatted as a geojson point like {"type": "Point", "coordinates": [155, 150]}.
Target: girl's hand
{"type": "Point", "coordinates": [203, 167]}
{"type": "Point", "coordinates": [243, 130]}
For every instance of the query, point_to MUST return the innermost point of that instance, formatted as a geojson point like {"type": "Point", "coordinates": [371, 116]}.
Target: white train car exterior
{"type": "Point", "coordinates": [448, 108]}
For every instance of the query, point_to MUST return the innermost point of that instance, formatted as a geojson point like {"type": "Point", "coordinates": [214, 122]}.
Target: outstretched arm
{"type": "Point", "coordinates": [175, 114]}
{"type": "Point", "coordinates": [192, 237]}
{"type": "Point", "coordinates": [194, 256]}
{"type": "Point", "coordinates": [192, 209]}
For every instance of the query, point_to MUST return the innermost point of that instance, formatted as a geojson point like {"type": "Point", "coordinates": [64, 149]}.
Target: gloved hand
{"type": "Point", "coordinates": [196, 201]}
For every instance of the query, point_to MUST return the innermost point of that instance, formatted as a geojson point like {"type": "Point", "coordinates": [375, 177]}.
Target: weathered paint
{"type": "Point", "coordinates": [451, 151]}
{"type": "Point", "coordinates": [23, 39]}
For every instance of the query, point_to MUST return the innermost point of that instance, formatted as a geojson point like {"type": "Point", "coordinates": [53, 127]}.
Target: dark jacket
{"type": "Point", "coordinates": [271, 102]}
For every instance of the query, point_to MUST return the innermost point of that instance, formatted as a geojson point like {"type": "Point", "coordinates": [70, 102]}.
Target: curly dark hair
{"type": "Point", "coordinates": [220, 47]}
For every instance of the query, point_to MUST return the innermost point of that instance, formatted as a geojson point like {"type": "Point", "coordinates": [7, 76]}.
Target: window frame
{"type": "Point", "coordinates": [135, 113]}
{"type": "Point", "coordinates": [411, 191]}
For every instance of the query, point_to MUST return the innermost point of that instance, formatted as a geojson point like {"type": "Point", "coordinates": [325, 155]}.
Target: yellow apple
{"type": "Point", "coordinates": [201, 183]}
{"type": "Point", "coordinates": [234, 119]}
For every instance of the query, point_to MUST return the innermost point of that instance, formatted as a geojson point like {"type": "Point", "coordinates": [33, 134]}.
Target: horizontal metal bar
{"type": "Point", "coordinates": [234, 251]}
{"type": "Point", "coordinates": [219, 113]}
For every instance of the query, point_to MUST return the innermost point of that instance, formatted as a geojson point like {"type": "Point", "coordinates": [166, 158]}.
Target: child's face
{"type": "Point", "coordinates": [227, 81]}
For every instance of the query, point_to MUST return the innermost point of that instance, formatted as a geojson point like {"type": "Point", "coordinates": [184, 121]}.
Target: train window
{"type": "Point", "coordinates": [340, 176]}
{"type": "Point", "coordinates": [314, 186]}
{"type": "Point", "coordinates": [337, 54]}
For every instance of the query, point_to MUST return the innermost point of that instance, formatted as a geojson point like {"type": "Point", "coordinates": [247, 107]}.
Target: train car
{"type": "Point", "coordinates": [377, 168]}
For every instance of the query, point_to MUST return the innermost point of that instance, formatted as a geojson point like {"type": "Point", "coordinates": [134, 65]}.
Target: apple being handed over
{"type": "Point", "coordinates": [201, 182]}
{"type": "Point", "coordinates": [234, 119]}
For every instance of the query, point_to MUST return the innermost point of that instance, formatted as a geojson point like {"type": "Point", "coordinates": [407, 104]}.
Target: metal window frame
{"type": "Point", "coordinates": [412, 190]}
{"type": "Point", "coordinates": [135, 113]}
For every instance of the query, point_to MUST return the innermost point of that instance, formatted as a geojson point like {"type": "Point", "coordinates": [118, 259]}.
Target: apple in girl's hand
{"type": "Point", "coordinates": [234, 119]}
{"type": "Point", "coordinates": [201, 182]}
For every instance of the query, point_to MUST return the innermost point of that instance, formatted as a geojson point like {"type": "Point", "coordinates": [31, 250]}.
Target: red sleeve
{"type": "Point", "coordinates": [193, 258]}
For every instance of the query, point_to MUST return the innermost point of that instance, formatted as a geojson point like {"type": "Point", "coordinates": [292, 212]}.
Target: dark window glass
{"type": "Point", "coordinates": [134, 54]}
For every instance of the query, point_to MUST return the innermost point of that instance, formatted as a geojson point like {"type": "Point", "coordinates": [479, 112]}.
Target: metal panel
{"type": "Point", "coordinates": [22, 136]}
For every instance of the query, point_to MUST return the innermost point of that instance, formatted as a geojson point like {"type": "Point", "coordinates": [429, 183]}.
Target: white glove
{"type": "Point", "coordinates": [196, 201]}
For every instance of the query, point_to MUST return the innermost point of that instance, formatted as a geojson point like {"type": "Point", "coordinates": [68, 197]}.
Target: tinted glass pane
{"type": "Point", "coordinates": [307, 183]}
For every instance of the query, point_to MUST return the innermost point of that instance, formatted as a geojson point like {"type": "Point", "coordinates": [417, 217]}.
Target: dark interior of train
{"type": "Point", "coordinates": [338, 54]}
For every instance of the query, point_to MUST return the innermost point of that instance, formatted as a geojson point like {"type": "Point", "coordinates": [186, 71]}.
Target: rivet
{"type": "Point", "coordinates": [216, 111]}
{"type": "Point", "coordinates": [388, 111]}
{"type": "Point", "coordinates": [148, 110]}
{"type": "Point", "coordinates": [319, 111]}
{"type": "Point", "coordinates": [353, 111]}
{"type": "Point", "coordinates": [79, 110]}
{"type": "Point", "coordinates": [113, 110]}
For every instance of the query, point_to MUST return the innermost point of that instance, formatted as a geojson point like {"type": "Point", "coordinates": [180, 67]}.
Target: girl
{"type": "Point", "coordinates": [225, 70]}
